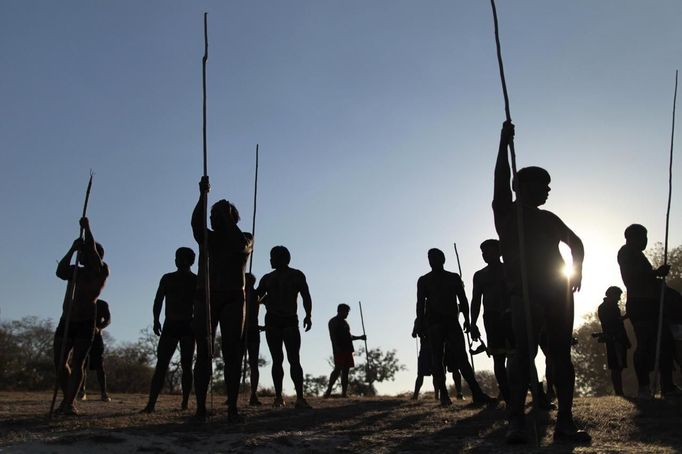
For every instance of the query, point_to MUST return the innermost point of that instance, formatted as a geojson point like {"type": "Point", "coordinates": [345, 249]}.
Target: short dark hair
{"type": "Point", "coordinates": [185, 253]}
{"type": "Point", "coordinates": [100, 250]}
{"type": "Point", "coordinates": [437, 253]}
{"type": "Point", "coordinates": [342, 306]}
{"type": "Point", "coordinates": [634, 229]}
{"type": "Point", "coordinates": [491, 243]}
{"type": "Point", "coordinates": [280, 254]}
{"type": "Point", "coordinates": [229, 207]}
{"type": "Point", "coordinates": [530, 175]}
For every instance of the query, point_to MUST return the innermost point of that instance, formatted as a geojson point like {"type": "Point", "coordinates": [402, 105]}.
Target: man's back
{"type": "Point", "coordinates": [440, 289]}
{"type": "Point", "coordinates": [281, 288]}
{"type": "Point", "coordinates": [179, 288]}
{"type": "Point", "coordinates": [339, 333]}
{"type": "Point", "coordinates": [637, 273]}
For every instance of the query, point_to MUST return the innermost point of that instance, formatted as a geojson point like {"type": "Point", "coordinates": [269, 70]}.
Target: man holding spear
{"type": "Point", "coordinates": [228, 251]}
{"type": "Point", "coordinates": [76, 328]}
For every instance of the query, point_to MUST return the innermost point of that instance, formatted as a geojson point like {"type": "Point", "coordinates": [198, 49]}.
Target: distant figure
{"type": "Point", "coordinates": [228, 251]}
{"type": "Point", "coordinates": [95, 357]}
{"type": "Point", "coordinates": [490, 288]}
{"type": "Point", "coordinates": [452, 365]}
{"type": "Point", "coordinates": [437, 294]}
{"type": "Point", "coordinates": [279, 292]}
{"type": "Point", "coordinates": [177, 289]}
{"type": "Point", "coordinates": [342, 346]}
{"type": "Point", "coordinates": [424, 359]}
{"type": "Point", "coordinates": [550, 292]}
{"type": "Point", "coordinates": [253, 336]}
{"type": "Point", "coordinates": [643, 284]}
{"type": "Point", "coordinates": [91, 276]}
{"type": "Point", "coordinates": [614, 336]}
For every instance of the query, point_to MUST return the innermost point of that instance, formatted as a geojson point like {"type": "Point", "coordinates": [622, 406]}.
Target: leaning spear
{"type": "Point", "coordinates": [204, 204]}
{"type": "Point", "coordinates": [665, 250]}
{"type": "Point", "coordinates": [519, 222]}
{"type": "Point", "coordinates": [367, 366]}
{"type": "Point", "coordinates": [471, 355]}
{"type": "Point", "coordinates": [248, 308]}
{"type": "Point", "coordinates": [68, 302]}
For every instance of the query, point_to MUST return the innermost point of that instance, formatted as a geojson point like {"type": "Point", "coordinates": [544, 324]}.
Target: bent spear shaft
{"type": "Point", "coordinates": [362, 320]}
{"type": "Point", "coordinates": [665, 250]}
{"type": "Point", "coordinates": [253, 243]}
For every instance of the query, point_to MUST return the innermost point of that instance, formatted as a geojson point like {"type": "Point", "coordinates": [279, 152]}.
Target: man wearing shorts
{"type": "Point", "coordinates": [342, 346]}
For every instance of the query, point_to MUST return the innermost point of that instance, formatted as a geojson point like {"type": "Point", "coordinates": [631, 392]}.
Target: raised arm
{"type": "Point", "coordinates": [64, 268]}
{"type": "Point", "coordinates": [502, 194]}
{"type": "Point", "coordinates": [89, 250]}
{"type": "Point", "coordinates": [476, 298]}
{"type": "Point", "coordinates": [307, 303]}
{"type": "Point", "coordinates": [199, 214]}
{"type": "Point", "coordinates": [158, 303]}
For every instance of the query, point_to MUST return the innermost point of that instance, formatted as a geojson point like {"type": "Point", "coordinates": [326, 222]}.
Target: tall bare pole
{"type": "Point", "coordinates": [253, 234]}
{"type": "Point", "coordinates": [367, 366]}
{"type": "Point", "coordinates": [471, 355]}
{"type": "Point", "coordinates": [68, 300]}
{"type": "Point", "coordinates": [519, 222]}
{"type": "Point", "coordinates": [204, 203]}
{"type": "Point", "coordinates": [665, 249]}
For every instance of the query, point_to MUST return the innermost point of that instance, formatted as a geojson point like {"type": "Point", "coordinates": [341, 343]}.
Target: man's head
{"type": "Point", "coordinates": [613, 293]}
{"type": "Point", "coordinates": [533, 185]}
{"type": "Point", "coordinates": [436, 259]}
{"type": "Point", "coordinates": [100, 252]}
{"type": "Point", "coordinates": [342, 310]}
{"type": "Point", "coordinates": [184, 258]}
{"type": "Point", "coordinates": [223, 213]}
{"type": "Point", "coordinates": [636, 235]}
{"type": "Point", "coordinates": [279, 257]}
{"type": "Point", "coordinates": [490, 250]}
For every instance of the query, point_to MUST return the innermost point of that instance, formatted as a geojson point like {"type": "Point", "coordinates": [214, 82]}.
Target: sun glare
{"type": "Point", "coordinates": [567, 271]}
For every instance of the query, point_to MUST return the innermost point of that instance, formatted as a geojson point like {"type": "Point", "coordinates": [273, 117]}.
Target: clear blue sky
{"type": "Point", "coordinates": [378, 124]}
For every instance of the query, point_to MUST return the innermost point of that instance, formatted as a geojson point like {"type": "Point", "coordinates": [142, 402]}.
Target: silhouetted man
{"type": "Point", "coordinates": [90, 279]}
{"type": "Point", "coordinates": [177, 289]}
{"type": "Point", "coordinates": [252, 336]}
{"type": "Point", "coordinates": [614, 337]}
{"type": "Point", "coordinates": [228, 251]}
{"type": "Point", "coordinates": [424, 359]}
{"type": "Point", "coordinates": [279, 292]}
{"type": "Point", "coordinates": [644, 286]}
{"type": "Point", "coordinates": [95, 360]}
{"type": "Point", "coordinates": [550, 292]}
{"type": "Point", "coordinates": [437, 294]}
{"type": "Point", "coordinates": [490, 288]}
{"type": "Point", "coordinates": [342, 346]}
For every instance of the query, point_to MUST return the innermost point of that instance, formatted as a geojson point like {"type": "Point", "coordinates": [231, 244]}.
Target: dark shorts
{"type": "Point", "coordinates": [94, 361]}
{"type": "Point", "coordinates": [424, 362]}
{"type": "Point", "coordinates": [77, 330]}
{"type": "Point", "coordinates": [177, 329]}
{"type": "Point", "coordinates": [277, 322]}
{"type": "Point", "coordinates": [499, 333]}
{"type": "Point", "coordinates": [344, 360]}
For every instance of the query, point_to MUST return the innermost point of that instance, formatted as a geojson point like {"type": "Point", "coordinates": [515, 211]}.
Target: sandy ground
{"type": "Point", "coordinates": [383, 424]}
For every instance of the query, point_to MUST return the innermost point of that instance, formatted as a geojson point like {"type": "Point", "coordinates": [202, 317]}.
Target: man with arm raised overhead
{"type": "Point", "coordinates": [550, 292]}
{"type": "Point", "coordinates": [228, 251]}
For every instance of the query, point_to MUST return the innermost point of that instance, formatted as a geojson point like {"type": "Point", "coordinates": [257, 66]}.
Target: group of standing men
{"type": "Point", "coordinates": [186, 319]}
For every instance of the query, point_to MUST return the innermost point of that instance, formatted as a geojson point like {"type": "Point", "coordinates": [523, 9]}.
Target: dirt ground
{"type": "Point", "coordinates": [383, 424]}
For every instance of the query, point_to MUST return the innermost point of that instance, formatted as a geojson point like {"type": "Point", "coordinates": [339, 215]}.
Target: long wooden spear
{"type": "Point", "coordinates": [68, 303]}
{"type": "Point", "coordinates": [204, 202]}
{"type": "Point", "coordinates": [367, 366]}
{"type": "Point", "coordinates": [471, 355]}
{"type": "Point", "coordinates": [253, 235]}
{"type": "Point", "coordinates": [665, 249]}
{"type": "Point", "coordinates": [519, 224]}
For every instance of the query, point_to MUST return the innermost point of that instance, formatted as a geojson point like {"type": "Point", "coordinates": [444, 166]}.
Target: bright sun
{"type": "Point", "coordinates": [567, 271]}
